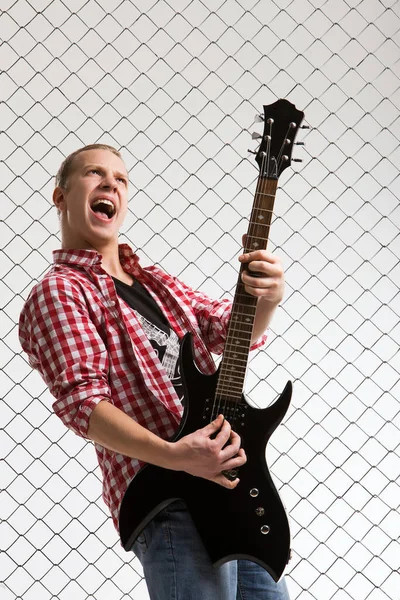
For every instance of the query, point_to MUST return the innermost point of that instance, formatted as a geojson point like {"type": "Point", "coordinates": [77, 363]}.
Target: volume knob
{"type": "Point", "coordinates": [265, 529]}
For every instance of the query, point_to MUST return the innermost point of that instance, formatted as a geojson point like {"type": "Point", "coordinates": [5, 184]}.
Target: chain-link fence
{"type": "Point", "coordinates": [177, 86]}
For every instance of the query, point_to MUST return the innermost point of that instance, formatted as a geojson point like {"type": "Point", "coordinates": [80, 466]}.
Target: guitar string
{"type": "Point", "coordinates": [221, 400]}
{"type": "Point", "coordinates": [225, 381]}
{"type": "Point", "coordinates": [262, 190]}
{"type": "Point", "coordinates": [280, 155]}
{"type": "Point", "coordinates": [231, 383]}
{"type": "Point", "coordinates": [252, 229]}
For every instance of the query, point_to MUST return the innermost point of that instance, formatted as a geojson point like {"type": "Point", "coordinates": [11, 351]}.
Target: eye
{"type": "Point", "coordinates": [96, 171]}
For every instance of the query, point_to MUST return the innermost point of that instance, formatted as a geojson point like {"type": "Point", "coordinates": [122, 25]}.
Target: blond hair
{"type": "Point", "coordinates": [67, 166]}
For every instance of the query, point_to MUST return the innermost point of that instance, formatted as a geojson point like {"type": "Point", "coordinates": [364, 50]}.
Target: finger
{"type": "Point", "coordinates": [235, 436]}
{"type": "Point", "coordinates": [258, 292]}
{"type": "Point", "coordinates": [263, 255]}
{"type": "Point", "coordinates": [231, 449]}
{"type": "Point", "coordinates": [224, 434]}
{"type": "Point", "coordinates": [269, 268]}
{"type": "Point", "coordinates": [264, 269]}
{"type": "Point", "coordinates": [236, 461]}
{"type": "Point", "coordinates": [214, 426]}
{"type": "Point", "coordinates": [263, 281]}
{"type": "Point", "coordinates": [226, 483]}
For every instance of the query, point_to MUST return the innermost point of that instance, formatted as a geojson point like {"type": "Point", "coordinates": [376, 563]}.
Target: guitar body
{"type": "Point", "coordinates": [248, 522]}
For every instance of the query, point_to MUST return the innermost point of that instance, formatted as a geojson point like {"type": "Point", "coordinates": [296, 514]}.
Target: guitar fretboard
{"type": "Point", "coordinates": [237, 347]}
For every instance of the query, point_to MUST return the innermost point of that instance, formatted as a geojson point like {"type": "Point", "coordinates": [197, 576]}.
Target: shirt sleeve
{"type": "Point", "coordinates": [213, 319]}
{"type": "Point", "coordinates": [63, 344]}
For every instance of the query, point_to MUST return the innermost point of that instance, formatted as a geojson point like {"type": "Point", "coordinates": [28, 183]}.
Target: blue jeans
{"type": "Point", "coordinates": [176, 566]}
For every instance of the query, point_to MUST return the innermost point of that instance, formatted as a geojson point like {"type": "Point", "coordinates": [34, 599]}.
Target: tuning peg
{"type": "Point", "coordinates": [297, 160]}
{"type": "Point", "coordinates": [259, 118]}
{"type": "Point", "coordinates": [251, 151]}
{"type": "Point", "coordinates": [305, 127]}
{"type": "Point", "coordinates": [299, 144]}
{"type": "Point", "coordinates": [255, 135]}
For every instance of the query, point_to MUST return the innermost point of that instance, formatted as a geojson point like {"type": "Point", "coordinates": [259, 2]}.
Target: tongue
{"type": "Point", "coordinates": [101, 214]}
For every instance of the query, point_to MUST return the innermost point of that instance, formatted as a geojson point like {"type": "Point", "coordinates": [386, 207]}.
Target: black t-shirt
{"type": "Point", "coordinates": [156, 326]}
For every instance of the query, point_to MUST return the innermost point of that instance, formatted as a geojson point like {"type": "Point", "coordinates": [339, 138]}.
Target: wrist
{"type": "Point", "coordinates": [169, 456]}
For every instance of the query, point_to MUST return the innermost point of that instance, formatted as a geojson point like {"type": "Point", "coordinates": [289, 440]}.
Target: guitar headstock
{"type": "Point", "coordinates": [281, 124]}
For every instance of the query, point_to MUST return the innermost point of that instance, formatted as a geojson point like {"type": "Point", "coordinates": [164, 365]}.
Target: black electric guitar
{"type": "Point", "coordinates": [250, 521]}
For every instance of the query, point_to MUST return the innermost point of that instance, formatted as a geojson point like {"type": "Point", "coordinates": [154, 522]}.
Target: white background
{"type": "Point", "coordinates": [177, 86]}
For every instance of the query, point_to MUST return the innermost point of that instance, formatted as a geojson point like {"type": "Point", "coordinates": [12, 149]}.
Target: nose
{"type": "Point", "coordinates": [109, 182]}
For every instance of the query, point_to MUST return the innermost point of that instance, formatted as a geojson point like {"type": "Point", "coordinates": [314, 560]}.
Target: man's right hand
{"type": "Point", "coordinates": [209, 451]}
{"type": "Point", "coordinates": [204, 453]}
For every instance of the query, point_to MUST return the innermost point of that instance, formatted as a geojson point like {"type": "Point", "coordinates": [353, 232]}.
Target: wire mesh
{"type": "Point", "coordinates": [177, 86]}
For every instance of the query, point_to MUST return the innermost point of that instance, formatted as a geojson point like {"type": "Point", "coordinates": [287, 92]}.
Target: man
{"type": "Point", "coordinates": [104, 334]}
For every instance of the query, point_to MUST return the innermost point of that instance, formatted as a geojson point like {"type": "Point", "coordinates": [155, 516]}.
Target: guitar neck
{"type": "Point", "coordinates": [238, 342]}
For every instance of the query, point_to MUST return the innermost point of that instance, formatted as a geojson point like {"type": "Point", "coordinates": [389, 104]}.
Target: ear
{"type": "Point", "coordinates": [58, 198]}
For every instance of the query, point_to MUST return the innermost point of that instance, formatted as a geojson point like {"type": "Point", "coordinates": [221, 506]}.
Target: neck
{"type": "Point", "coordinates": [111, 263]}
{"type": "Point", "coordinates": [109, 252]}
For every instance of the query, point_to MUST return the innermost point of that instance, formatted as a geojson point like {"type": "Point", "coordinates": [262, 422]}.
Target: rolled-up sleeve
{"type": "Point", "coordinates": [213, 319]}
{"type": "Point", "coordinates": [64, 345]}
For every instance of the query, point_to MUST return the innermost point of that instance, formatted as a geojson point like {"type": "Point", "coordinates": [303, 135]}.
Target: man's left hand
{"type": "Point", "coordinates": [269, 283]}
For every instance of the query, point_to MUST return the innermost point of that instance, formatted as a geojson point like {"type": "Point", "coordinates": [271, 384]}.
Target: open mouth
{"type": "Point", "coordinates": [104, 208]}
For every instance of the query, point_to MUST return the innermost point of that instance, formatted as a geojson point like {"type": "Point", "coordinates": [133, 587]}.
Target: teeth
{"type": "Point", "coordinates": [103, 201]}
{"type": "Point", "coordinates": [110, 211]}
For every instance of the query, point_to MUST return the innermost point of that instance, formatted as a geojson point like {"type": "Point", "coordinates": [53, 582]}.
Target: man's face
{"type": "Point", "coordinates": [94, 203]}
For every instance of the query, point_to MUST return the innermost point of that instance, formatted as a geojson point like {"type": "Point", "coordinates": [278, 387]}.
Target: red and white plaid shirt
{"type": "Point", "coordinates": [89, 346]}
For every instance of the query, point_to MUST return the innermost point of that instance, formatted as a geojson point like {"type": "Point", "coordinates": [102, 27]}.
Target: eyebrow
{"type": "Point", "coordinates": [101, 168]}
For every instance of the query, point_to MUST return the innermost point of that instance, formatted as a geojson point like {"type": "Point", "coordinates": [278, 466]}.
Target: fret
{"type": "Point", "coordinates": [237, 323]}
{"type": "Point", "coordinates": [238, 362]}
{"type": "Point", "coordinates": [235, 395]}
{"type": "Point", "coordinates": [246, 296]}
{"type": "Point", "coordinates": [230, 390]}
{"type": "Point", "coordinates": [239, 371]}
{"type": "Point", "coordinates": [236, 345]}
{"type": "Point", "coordinates": [250, 299]}
{"type": "Point", "coordinates": [231, 379]}
{"type": "Point", "coordinates": [240, 328]}
{"type": "Point", "coordinates": [263, 209]}
{"type": "Point", "coordinates": [260, 224]}
{"type": "Point", "coordinates": [238, 340]}
{"type": "Point", "coordinates": [241, 332]}
{"type": "Point", "coordinates": [256, 237]}
{"type": "Point", "coordinates": [235, 354]}
{"type": "Point", "coordinates": [231, 385]}
{"type": "Point", "coordinates": [241, 316]}
{"type": "Point", "coordinates": [236, 359]}
{"type": "Point", "coordinates": [231, 349]}
{"type": "Point", "coordinates": [226, 376]}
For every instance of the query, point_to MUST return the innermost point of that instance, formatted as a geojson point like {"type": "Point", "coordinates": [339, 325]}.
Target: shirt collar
{"type": "Point", "coordinates": [90, 258]}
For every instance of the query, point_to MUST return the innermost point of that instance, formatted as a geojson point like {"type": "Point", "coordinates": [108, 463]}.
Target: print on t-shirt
{"type": "Point", "coordinates": [167, 349]}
